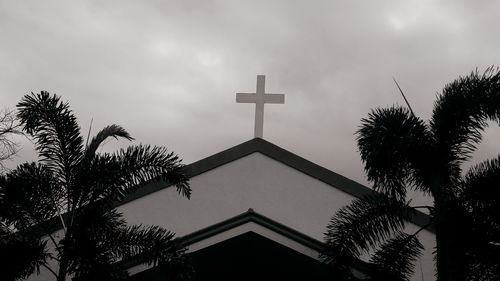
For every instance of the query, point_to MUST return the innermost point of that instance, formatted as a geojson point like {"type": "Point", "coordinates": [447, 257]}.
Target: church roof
{"type": "Point", "coordinates": [279, 154]}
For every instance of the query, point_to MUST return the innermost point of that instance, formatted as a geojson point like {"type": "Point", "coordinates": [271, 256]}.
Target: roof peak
{"type": "Point", "coordinates": [276, 153]}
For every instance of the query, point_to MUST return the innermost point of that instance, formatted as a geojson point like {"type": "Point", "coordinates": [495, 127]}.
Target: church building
{"type": "Point", "coordinates": [257, 212]}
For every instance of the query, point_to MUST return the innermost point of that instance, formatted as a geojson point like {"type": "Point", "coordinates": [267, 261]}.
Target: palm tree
{"type": "Point", "coordinates": [400, 152]}
{"type": "Point", "coordinates": [71, 192]}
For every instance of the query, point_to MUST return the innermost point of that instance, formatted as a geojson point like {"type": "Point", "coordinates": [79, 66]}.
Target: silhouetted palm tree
{"type": "Point", "coordinates": [76, 188]}
{"type": "Point", "coordinates": [401, 152]}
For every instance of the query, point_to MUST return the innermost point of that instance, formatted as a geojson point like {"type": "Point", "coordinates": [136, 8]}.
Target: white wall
{"type": "Point", "coordinates": [255, 181]}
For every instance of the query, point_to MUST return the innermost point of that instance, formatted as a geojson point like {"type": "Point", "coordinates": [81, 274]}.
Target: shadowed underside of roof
{"type": "Point", "coordinates": [250, 255]}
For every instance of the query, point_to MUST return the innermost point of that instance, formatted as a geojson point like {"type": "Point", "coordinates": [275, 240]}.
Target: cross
{"type": "Point", "coordinates": [259, 98]}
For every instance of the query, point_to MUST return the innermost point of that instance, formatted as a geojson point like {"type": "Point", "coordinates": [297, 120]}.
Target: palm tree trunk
{"type": "Point", "coordinates": [63, 268]}
{"type": "Point", "coordinates": [444, 262]}
{"type": "Point", "coordinates": [447, 254]}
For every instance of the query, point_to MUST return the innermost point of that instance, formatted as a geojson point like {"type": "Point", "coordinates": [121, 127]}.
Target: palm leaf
{"type": "Point", "coordinates": [20, 256]}
{"type": "Point", "coordinates": [137, 166]}
{"type": "Point", "coordinates": [395, 145]}
{"type": "Point", "coordinates": [101, 271]}
{"type": "Point", "coordinates": [483, 272]}
{"type": "Point", "coordinates": [86, 243]}
{"type": "Point", "coordinates": [155, 243]}
{"type": "Point", "coordinates": [395, 260]}
{"type": "Point", "coordinates": [100, 240]}
{"type": "Point", "coordinates": [112, 131]}
{"type": "Point", "coordinates": [55, 129]}
{"type": "Point", "coordinates": [460, 115]}
{"type": "Point", "coordinates": [480, 190]}
{"type": "Point", "coordinates": [89, 166]}
{"type": "Point", "coordinates": [29, 196]}
{"type": "Point", "coordinates": [479, 199]}
{"type": "Point", "coordinates": [98, 178]}
{"type": "Point", "coordinates": [364, 224]}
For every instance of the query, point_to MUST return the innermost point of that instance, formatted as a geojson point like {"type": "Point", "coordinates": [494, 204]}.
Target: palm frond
{"type": "Point", "coordinates": [480, 190]}
{"type": "Point", "coordinates": [100, 240]}
{"type": "Point", "coordinates": [111, 131]}
{"type": "Point", "coordinates": [394, 146]}
{"type": "Point", "coordinates": [483, 272]}
{"type": "Point", "coordinates": [29, 196]}
{"type": "Point", "coordinates": [460, 115]}
{"type": "Point", "coordinates": [365, 223]}
{"type": "Point", "coordinates": [86, 241]}
{"type": "Point", "coordinates": [154, 245]}
{"type": "Point", "coordinates": [479, 202]}
{"type": "Point", "coordinates": [395, 260]}
{"type": "Point", "coordinates": [155, 242]}
{"type": "Point", "coordinates": [20, 256]}
{"type": "Point", "coordinates": [91, 165]}
{"type": "Point", "coordinates": [137, 166]}
{"type": "Point", "coordinates": [55, 129]}
{"type": "Point", "coordinates": [98, 178]}
{"type": "Point", "coordinates": [95, 270]}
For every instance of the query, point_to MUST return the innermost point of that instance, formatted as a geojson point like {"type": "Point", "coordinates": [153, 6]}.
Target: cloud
{"type": "Point", "coordinates": [168, 70]}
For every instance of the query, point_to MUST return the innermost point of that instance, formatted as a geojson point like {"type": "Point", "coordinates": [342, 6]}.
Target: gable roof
{"type": "Point", "coordinates": [279, 154]}
{"type": "Point", "coordinates": [251, 216]}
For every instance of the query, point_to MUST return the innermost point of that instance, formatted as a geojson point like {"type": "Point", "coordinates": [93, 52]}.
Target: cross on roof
{"type": "Point", "coordinates": [259, 98]}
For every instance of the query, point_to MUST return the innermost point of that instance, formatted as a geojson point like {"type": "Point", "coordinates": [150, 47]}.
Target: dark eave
{"type": "Point", "coordinates": [252, 216]}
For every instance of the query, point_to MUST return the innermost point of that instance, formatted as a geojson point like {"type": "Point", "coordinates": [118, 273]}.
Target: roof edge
{"type": "Point", "coordinates": [281, 155]}
{"type": "Point", "coordinates": [252, 216]}
{"type": "Point", "coordinates": [269, 149]}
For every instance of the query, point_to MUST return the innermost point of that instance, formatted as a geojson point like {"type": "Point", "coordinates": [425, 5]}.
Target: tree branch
{"type": "Point", "coordinates": [421, 207]}
{"type": "Point", "coordinates": [420, 229]}
{"type": "Point", "coordinates": [50, 269]}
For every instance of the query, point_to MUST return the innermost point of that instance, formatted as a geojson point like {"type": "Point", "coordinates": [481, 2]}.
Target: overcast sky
{"type": "Point", "coordinates": [168, 71]}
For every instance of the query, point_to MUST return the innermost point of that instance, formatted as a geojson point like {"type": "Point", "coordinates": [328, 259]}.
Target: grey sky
{"type": "Point", "coordinates": [168, 71]}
